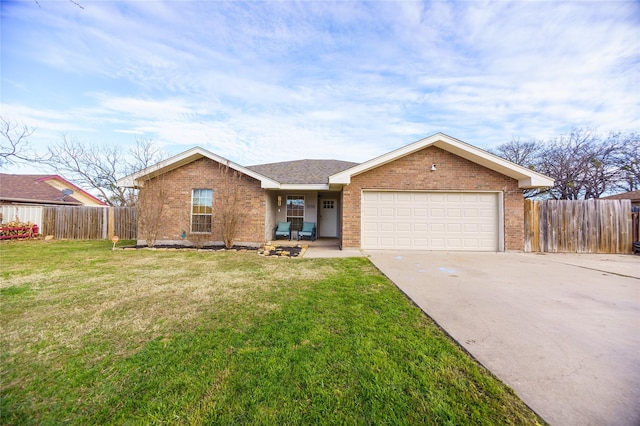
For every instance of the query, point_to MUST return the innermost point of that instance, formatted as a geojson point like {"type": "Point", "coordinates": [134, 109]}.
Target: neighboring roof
{"type": "Point", "coordinates": [302, 171]}
{"type": "Point", "coordinates": [526, 178]}
{"type": "Point", "coordinates": [43, 189]}
{"type": "Point", "coordinates": [137, 179]}
{"type": "Point", "coordinates": [634, 196]}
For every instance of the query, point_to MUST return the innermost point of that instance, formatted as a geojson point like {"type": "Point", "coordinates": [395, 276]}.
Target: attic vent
{"type": "Point", "coordinates": [66, 193]}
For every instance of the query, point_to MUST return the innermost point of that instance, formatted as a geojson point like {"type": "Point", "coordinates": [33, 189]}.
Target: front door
{"type": "Point", "coordinates": [328, 218]}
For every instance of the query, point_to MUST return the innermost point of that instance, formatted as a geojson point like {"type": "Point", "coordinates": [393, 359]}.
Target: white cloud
{"type": "Point", "coordinates": [261, 82]}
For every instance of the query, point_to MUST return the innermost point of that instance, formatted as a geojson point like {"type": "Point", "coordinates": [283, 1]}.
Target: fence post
{"type": "Point", "coordinates": [105, 222]}
{"type": "Point", "coordinates": [111, 226]}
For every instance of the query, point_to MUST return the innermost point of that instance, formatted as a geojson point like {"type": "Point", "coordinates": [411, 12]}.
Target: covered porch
{"type": "Point", "coordinates": [323, 208]}
{"type": "Point", "coordinates": [319, 242]}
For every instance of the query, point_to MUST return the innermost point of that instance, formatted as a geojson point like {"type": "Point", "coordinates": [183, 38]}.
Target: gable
{"type": "Point", "coordinates": [137, 179]}
{"type": "Point", "coordinates": [413, 172]}
{"type": "Point", "coordinates": [526, 178]}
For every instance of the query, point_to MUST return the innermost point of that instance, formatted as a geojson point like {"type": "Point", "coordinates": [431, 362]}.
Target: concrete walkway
{"type": "Point", "coordinates": [562, 330]}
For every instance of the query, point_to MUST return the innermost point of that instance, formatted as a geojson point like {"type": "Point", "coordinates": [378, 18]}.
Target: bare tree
{"type": "Point", "coordinates": [150, 208]}
{"type": "Point", "coordinates": [14, 146]}
{"type": "Point", "coordinates": [230, 211]}
{"type": "Point", "coordinates": [98, 168]}
{"type": "Point", "coordinates": [584, 163]}
{"type": "Point", "coordinates": [524, 153]}
{"type": "Point", "coordinates": [144, 153]}
{"type": "Point", "coordinates": [628, 163]}
{"type": "Point", "coordinates": [70, 1]}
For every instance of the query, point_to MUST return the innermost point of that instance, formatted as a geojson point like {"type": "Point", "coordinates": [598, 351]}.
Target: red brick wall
{"type": "Point", "coordinates": [206, 174]}
{"type": "Point", "coordinates": [412, 172]}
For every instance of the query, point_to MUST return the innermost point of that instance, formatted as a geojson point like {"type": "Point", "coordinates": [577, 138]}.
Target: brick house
{"type": "Point", "coordinates": [438, 193]}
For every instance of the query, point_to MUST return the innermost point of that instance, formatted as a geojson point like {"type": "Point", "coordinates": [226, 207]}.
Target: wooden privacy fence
{"type": "Point", "coordinates": [578, 226]}
{"type": "Point", "coordinates": [88, 223]}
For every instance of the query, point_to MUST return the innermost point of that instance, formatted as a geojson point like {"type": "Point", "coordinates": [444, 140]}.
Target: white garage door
{"type": "Point", "coordinates": [430, 220]}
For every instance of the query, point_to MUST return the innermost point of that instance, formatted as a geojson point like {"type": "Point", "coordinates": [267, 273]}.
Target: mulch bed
{"type": "Point", "coordinates": [276, 251]}
{"type": "Point", "coordinates": [280, 251]}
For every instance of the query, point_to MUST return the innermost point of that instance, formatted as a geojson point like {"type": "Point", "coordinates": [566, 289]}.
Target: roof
{"type": "Point", "coordinates": [325, 174]}
{"type": "Point", "coordinates": [302, 171]}
{"type": "Point", "coordinates": [634, 196]}
{"type": "Point", "coordinates": [526, 178]}
{"type": "Point", "coordinates": [191, 155]}
{"type": "Point", "coordinates": [43, 189]}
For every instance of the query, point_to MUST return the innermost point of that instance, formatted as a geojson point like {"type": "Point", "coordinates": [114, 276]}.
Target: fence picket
{"type": "Point", "coordinates": [578, 226]}
{"type": "Point", "coordinates": [76, 222]}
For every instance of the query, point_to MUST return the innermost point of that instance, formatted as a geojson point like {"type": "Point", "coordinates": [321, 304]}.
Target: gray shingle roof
{"type": "Point", "coordinates": [302, 171]}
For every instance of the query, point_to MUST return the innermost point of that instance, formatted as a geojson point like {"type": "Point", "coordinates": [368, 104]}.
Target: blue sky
{"type": "Point", "coordinates": [274, 81]}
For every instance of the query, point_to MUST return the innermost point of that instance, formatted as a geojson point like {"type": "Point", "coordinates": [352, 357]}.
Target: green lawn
{"type": "Point", "coordinates": [94, 336]}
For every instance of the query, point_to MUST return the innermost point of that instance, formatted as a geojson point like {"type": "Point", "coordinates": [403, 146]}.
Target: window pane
{"type": "Point", "coordinates": [296, 223]}
{"type": "Point", "coordinates": [201, 210]}
{"type": "Point", "coordinates": [295, 211]}
{"type": "Point", "coordinates": [201, 223]}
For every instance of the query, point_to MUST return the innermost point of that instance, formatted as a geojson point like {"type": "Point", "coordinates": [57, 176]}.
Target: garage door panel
{"type": "Point", "coordinates": [370, 212]}
{"type": "Point", "coordinates": [421, 227]}
{"type": "Point", "coordinates": [436, 227]}
{"type": "Point", "coordinates": [403, 227]}
{"type": "Point", "coordinates": [430, 220]}
{"type": "Point", "coordinates": [471, 228]}
{"type": "Point", "coordinates": [387, 212]}
{"type": "Point", "coordinates": [370, 227]}
{"type": "Point", "coordinates": [386, 227]}
{"type": "Point", "coordinates": [454, 228]}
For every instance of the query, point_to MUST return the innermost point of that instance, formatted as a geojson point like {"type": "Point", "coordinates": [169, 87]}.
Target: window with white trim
{"type": "Point", "coordinates": [201, 210]}
{"type": "Point", "coordinates": [295, 211]}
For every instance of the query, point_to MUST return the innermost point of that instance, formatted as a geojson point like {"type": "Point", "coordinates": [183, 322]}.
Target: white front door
{"type": "Point", "coordinates": [328, 218]}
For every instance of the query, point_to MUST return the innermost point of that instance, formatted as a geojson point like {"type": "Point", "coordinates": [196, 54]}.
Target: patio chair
{"type": "Point", "coordinates": [308, 231]}
{"type": "Point", "coordinates": [282, 230]}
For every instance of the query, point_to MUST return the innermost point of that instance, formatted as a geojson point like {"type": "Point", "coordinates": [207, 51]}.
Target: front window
{"type": "Point", "coordinates": [295, 211]}
{"type": "Point", "coordinates": [201, 210]}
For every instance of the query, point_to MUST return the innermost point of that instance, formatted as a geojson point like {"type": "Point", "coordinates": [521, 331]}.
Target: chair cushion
{"type": "Point", "coordinates": [284, 226]}
{"type": "Point", "coordinates": [308, 226]}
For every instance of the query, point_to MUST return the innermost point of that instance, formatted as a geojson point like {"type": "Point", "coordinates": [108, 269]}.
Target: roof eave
{"type": "Point", "coordinates": [304, 186]}
{"type": "Point", "coordinates": [36, 201]}
{"type": "Point", "coordinates": [535, 182]}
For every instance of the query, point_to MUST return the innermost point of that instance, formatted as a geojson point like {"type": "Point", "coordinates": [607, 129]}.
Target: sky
{"type": "Point", "coordinates": [268, 81]}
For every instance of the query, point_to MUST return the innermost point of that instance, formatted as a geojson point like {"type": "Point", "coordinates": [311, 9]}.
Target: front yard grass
{"type": "Point", "coordinates": [94, 336]}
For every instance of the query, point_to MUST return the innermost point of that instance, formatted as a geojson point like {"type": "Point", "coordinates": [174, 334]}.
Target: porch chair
{"type": "Point", "coordinates": [282, 230]}
{"type": "Point", "coordinates": [308, 230]}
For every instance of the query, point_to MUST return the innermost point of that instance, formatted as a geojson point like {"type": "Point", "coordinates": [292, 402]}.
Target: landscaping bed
{"type": "Point", "coordinates": [268, 250]}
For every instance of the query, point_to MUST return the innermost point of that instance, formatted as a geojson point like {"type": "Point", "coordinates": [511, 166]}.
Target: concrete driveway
{"type": "Point", "coordinates": [562, 330]}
